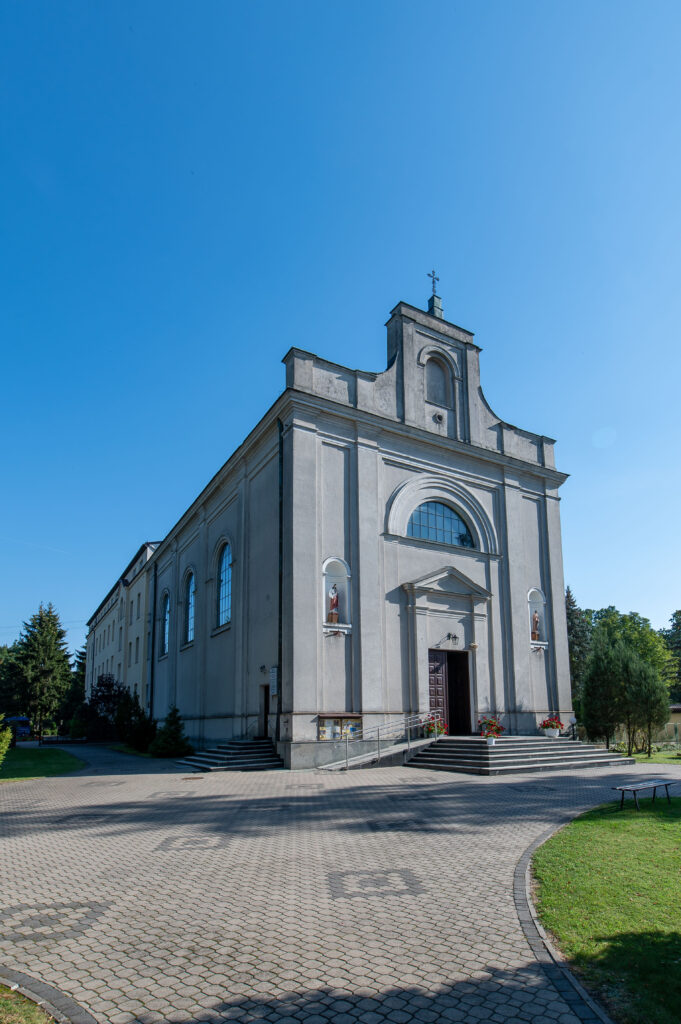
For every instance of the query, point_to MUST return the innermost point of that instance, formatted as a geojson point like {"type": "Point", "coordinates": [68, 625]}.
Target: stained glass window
{"type": "Point", "coordinates": [438, 522]}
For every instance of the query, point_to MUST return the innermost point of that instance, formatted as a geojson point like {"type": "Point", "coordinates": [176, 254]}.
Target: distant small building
{"type": "Point", "coordinates": [381, 544]}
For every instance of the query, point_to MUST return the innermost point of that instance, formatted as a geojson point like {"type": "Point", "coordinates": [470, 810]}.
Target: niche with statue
{"type": "Point", "coordinates": [336, 593]}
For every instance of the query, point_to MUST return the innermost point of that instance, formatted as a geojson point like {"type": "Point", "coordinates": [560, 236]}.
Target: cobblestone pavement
{"type": "Point", "coordinates": [372, 896]}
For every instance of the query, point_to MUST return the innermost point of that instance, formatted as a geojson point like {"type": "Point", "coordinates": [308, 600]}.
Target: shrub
{"type": "Point", "coordinates": [142, 731]}
{"type": "Point", "coordinates": [170, 739]}
{"type": "Point", "coordinates": [79, 723]}
{"type": "Point", "coordinates": [5, 739]}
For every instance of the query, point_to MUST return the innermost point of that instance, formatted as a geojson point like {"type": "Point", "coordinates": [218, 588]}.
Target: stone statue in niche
{"type": "Point", "coordinates": [535, 625]}
{"type": "Point", "coordinates": [333, 604]}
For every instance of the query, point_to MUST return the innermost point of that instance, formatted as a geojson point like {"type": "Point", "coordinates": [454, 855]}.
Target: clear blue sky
{"type": "Point", "coordinates": [190, 189]}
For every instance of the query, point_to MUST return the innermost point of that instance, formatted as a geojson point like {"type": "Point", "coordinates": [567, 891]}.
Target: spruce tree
{"type": "Point", "coordinates": [10, 691]}
{"type": "Point", "coordinates": [44, 672]}
{"type": "Point", "coordinates": [170, 739]}
{"type": "Point", "coordinates": [75, 695]}
{"type": "Point", "coordinates": [579, 629]}
{"type": "Point", "coordinates": [601, 696]}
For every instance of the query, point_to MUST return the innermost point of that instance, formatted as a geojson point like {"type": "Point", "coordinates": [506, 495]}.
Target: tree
{"type": "Point", "coordinates": [75, 695]}
{"type": "Point", "coordinates": [10, 697]}
{"type": "Point", "coordinates": [672, 638]}
{"type": "Point", "coordinates": [635, 631]}
{"type": "Point", "coordinates": [601, 707]}
{"type": "Point", "coordinates": [170, 739]}
{"type": "Point", "coordinates": [44, 672]}
{"type": "Point", "coordinates": [654, 702]}
{"type": "Point", "coordinates": [579, 629]}
{"type": "Point", "coordinates": [106, 697]}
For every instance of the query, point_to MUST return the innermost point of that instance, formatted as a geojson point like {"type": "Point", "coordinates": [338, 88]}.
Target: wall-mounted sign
{"type": "Point", "coordinates": [274, 680]}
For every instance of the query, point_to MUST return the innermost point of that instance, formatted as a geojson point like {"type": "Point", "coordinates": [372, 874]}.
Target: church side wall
{"type": "Point", "coordinates": [217, 679]}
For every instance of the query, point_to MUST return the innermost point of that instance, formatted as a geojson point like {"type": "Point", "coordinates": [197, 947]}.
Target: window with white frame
{"type": "Point", "coordinates": [433, 520]}
{"type": "Point", "coordinates": [224, 586]}
{"type": "Point", "coordinates": [336, 593]}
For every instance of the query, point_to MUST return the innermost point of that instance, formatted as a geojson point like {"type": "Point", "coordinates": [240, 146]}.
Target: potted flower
{"type": "Point", "coordinates": [551, 726]}
{"type": "Point", "coordinates": [490, 728]}
{"type": "Point", "coordinates": [435, 726]}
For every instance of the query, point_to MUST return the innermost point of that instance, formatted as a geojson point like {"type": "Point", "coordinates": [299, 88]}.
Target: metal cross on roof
{"type": "Point", "coordinates": [432, 274]}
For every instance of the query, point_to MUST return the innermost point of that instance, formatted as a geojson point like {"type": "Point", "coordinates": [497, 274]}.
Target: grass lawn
{"type": "Point", "coordinates": [16, 1009]}
{"type": "Point", "coordinates": [608, 888]}
{"type": "Point", "coordinates": [123, 748]}
{"type": "Point", "coordinates": [661, 757]}
{"type": "Point", "coordinates": [35, 762]}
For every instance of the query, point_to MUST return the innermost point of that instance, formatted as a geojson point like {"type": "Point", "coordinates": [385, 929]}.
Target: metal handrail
{"type": "Point", "coordinates": [389, 729]}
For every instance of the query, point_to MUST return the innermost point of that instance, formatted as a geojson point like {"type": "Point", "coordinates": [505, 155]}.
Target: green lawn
{"type": "Point", "coordinates": [35, 762]}
{"type": "Point", "coordinates": [661, 757]}
{"type": "Point", "coordinates": [16, 1009]}
{"type": "Point", "coordinates": [609, 891]}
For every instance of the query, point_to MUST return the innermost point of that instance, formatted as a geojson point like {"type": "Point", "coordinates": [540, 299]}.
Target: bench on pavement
{"type": "Point", "coordinates": [637, 787]}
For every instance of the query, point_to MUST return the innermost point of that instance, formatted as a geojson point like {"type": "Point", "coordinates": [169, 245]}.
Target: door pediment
{"type": "Point", "coordinates": [447, 581]}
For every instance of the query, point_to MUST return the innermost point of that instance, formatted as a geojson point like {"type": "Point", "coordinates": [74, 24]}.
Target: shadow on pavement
{"type": "Point", "coordinates": [499, 996]}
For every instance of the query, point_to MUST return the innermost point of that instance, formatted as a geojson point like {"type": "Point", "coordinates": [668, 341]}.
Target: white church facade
{"type": "Point", "coordinates": [380, 545]}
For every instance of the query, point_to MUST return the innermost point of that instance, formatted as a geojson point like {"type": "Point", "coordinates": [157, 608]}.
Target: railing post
{"type": "Point", "coordinates": [346, 751]}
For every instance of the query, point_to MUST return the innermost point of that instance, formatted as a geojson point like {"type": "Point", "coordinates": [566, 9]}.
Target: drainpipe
{"type": "Point", "coordinates": [280, 429]}
{"type": "Point", "coordinates": [152, 645]}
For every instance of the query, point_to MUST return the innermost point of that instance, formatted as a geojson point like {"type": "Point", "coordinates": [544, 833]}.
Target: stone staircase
{"type": "Point", "coordinates": [236, 756]}
{"type": "Point", "coordinates": [473, 756]}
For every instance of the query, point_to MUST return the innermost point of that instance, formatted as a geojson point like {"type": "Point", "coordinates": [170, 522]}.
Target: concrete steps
{"type": "Point", "coordinates": [473, 756]}
{"type": "Point", "coordinates": [236, 756]}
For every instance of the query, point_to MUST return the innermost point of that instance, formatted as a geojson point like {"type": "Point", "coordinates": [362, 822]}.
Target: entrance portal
{"type": "Point", "coordinates": [449, 688]}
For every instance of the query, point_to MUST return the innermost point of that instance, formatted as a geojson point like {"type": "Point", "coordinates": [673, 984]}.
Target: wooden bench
{"type": "Point", "coordinates": [638, 787]}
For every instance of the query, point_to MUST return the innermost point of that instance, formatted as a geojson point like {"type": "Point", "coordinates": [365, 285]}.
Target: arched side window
{"type": "Point", "coordinates": [189, 607]}
{"type": "Point", "coordinates": [336, 593]}
{"type": "Point", "coordinates": [438, 385]}
{"type": "Point", "coordinates": [436, 521]}
{"type": "Point", "coordinates": [537, 609]}
{"type": "Point", "coordinates": [224, 586]}
{"type": "Point", "coordinates": [165, 624]}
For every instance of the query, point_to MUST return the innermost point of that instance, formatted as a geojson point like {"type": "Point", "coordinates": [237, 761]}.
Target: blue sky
{"type": "Point", "coordinates": [190, 189]}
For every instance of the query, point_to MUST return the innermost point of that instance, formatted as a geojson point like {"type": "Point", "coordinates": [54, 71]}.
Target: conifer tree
{"type": "Point", "coordinates": [75, 694]}
{"type": "Point", "coordinates": [579, 629]}
{"type": "Point", "coordinates": [601, 696]}
{"type": "Point", "coordinates": [44, 672]}
{"type": "Point", "coordinates": [170, 739]}
{"type": "Point", "coordinates": [10, 700]}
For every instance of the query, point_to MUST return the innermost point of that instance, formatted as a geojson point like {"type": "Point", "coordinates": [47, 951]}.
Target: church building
{"type": "Point", "coordinates": [380, 545]}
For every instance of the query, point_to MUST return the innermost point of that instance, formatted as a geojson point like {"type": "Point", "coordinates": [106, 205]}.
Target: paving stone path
{"type": "Point", "coordinates": [149, 895]}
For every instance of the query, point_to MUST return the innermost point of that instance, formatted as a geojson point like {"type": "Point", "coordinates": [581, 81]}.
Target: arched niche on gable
{"type": "Point", "coordinates": [442, 391]}
{"type": "Point", "coordinates": [429, 487]}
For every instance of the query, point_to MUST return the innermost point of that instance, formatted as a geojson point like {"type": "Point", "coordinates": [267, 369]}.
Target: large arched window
{"type": "Point", "coordinates": [165, 623]}
{"type": "Point", "coordinates": [437, 383]}
{"type": "Point", "coordinates": [224, 586]}
{"type": "Point", "coordinates": [189, 605]}
{"type": "Point", "coordinates": [435, 521]}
